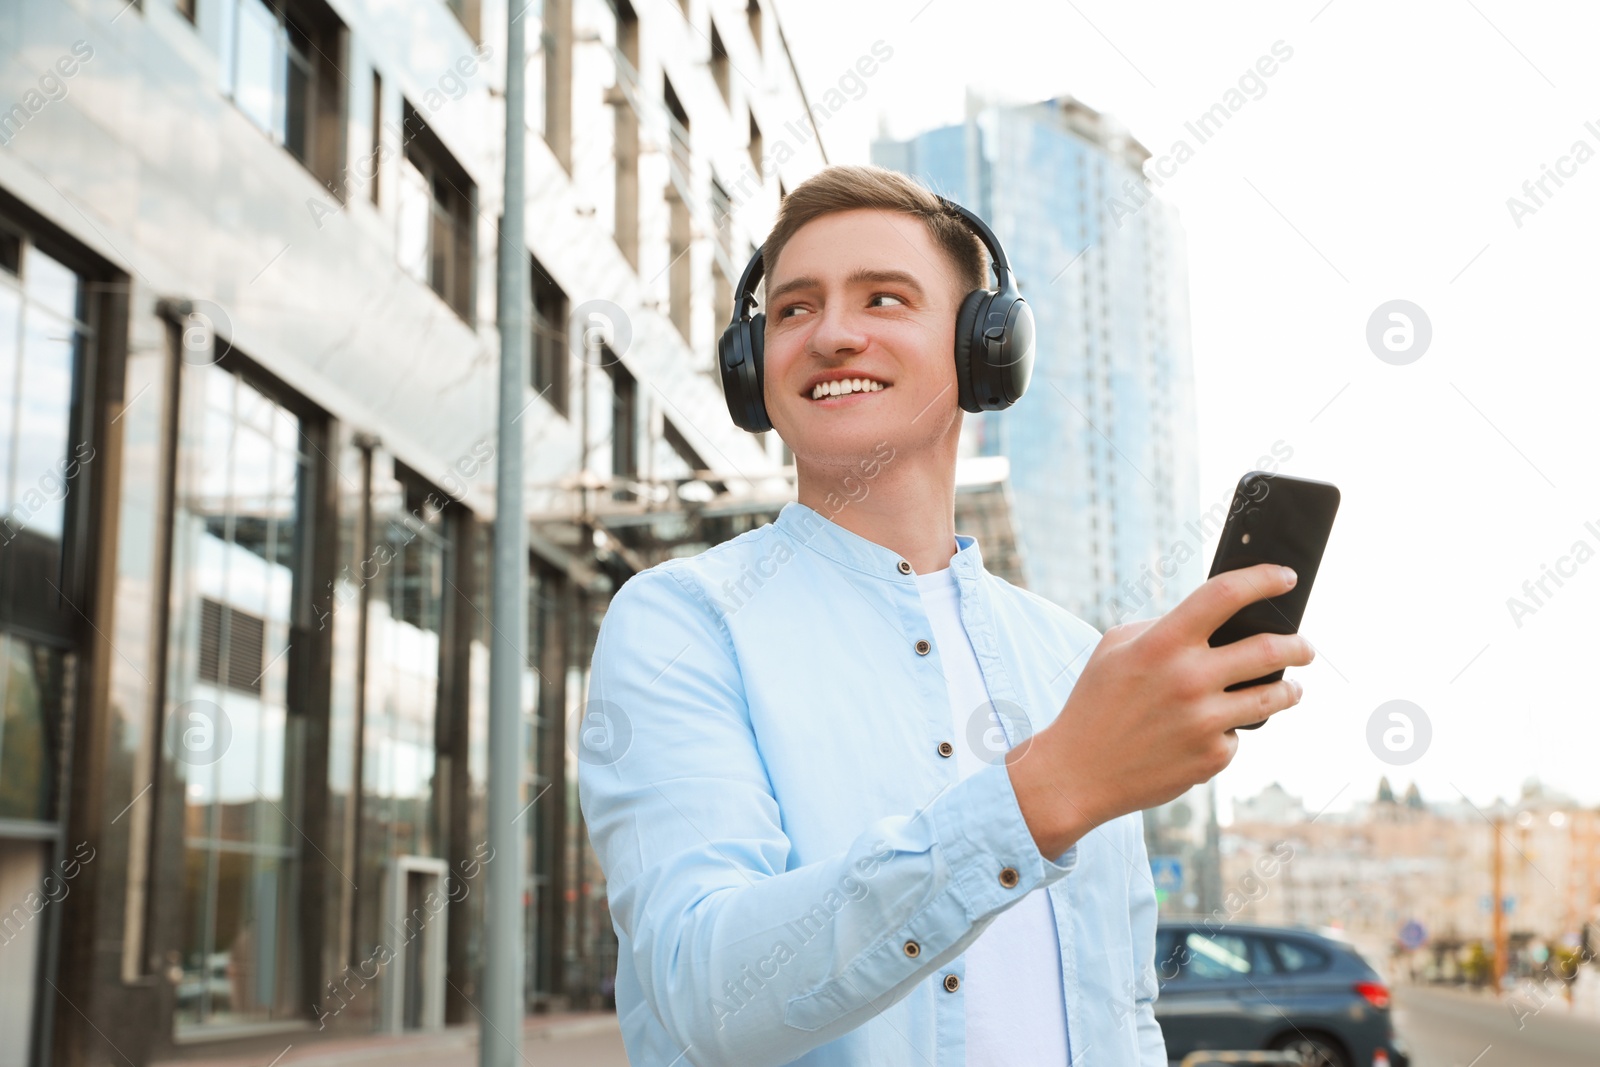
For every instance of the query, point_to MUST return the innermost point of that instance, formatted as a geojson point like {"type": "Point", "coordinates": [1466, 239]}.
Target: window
{"type": "Point", "coordinates": [242, 518]}
{"type": "Point", "coordinates": [410, 638]}
{"type": "Point", "coordinates": [679, 123]}
{"type": "Point", "coordinates": [276, 65]}
{"type": "Point", "coordinates": [435, 216]}
{"type": "Point", "coordinates": [41, 335]}
{"type": "Point", "coordinates": [550, 310]}
{"type": "Point", "coordinates": [624, 424]}
{"type": "Point", "coordinates": [1211, 957]}
{"type": "Point", "coordinates": [756, 146]}
{"type": "Point", "coordinates": [555, 46]}
{"type": "Point", "coordinates": [679, 270]}
{"type": "Point", "coordinates": [377, 134]}
{"type": "Point", "coordinates": [46, 346]}
{"type": "Point", "coordinates": [1299, 956]}
{"type": "Point", "coordinates": [722, 221]}
{"type": "Point", "coordinates": [752, 12]}
{"type": "Point", "coordinates": [719, 64]}
{"type": "Point", "coordinates": [626, 150]}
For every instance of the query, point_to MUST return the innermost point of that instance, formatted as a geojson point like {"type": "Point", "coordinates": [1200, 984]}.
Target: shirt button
{"type": "Point", "coordinates": [923, 648]}
{"type": "Point", "coordinates": [952, 983]}
{"type": "Point", "coordinates": [946, 749]}
{"type": "Point", "coordinates": [905, 568]}
{"type": "Point", "coordinates": [1009, 877]}
{"type": "Point", "coordinates": [913, 949]}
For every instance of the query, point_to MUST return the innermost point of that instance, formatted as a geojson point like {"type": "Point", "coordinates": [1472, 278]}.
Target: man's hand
{"type": "Point", "coordinates": [1148, 717]}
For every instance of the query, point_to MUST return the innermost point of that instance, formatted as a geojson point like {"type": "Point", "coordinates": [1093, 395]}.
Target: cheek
{"type": "Point", "coordinates": [777, 358]}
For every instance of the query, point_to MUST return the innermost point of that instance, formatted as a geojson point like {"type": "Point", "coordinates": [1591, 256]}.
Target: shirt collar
{"type": "Point", "coordinates": [815, 530]}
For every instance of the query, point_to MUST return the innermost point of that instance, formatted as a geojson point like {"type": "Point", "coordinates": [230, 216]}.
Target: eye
{"type": "Point", "coordinates": [783, 312]}
{"type": "Point", "coordinates": [891, 296]}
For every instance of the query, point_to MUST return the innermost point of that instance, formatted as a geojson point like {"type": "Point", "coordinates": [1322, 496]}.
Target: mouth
{"type": "Point", "coordinates": [844, 391]}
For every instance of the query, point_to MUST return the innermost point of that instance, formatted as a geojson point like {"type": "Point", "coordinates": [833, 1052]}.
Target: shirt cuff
{"type": "Point", "coordinates": [986, 841]}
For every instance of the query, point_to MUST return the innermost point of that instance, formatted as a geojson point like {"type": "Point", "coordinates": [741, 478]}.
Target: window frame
{"type": "Point", "coordinates": [307, 36]}
{"type": "Point", "coordinates": [425, 156]}
{"type": "Point", "coordinates": [548, 366]}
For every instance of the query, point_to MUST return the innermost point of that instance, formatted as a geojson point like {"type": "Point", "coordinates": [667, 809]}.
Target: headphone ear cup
{"type": "Point", "coordinates": [757, 334]}
{"type": "Point", "coordinates": [967, 336]}
{"type": "Point", "coordinates": [994, 371]}
{"type": "Point", "coordinates": [739, 357]}
{"type": "Point", "coordinates": [1007, 365]}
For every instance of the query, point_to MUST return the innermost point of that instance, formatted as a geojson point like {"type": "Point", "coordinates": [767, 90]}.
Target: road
{"type": "Point", "coordinates": [1450, 1029]}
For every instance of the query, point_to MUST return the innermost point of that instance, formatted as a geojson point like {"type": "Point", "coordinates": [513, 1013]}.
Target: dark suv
{"type": "Point", "coordinates": [1236, 987]}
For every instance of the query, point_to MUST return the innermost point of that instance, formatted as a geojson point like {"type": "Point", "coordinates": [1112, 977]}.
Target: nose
{"type": "Point", "coordinates": [836, 330]}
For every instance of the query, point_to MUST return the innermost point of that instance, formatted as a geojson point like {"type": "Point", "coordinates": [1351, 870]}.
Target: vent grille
{"type": "Point", "coordinates": [235, 637]}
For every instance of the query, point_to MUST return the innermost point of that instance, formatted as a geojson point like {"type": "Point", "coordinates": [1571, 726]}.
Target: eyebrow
{"type": "Point", "coordinates": [856, 277]}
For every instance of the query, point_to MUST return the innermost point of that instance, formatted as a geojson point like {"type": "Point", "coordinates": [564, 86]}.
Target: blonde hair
{"type": "Point", "coordinates": [847, 187]}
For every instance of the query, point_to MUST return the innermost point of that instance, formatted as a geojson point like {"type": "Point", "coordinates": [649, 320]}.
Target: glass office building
{"type": "Point", "coordinates": [1102, 447]}
{"type": "Point", "coordinates": [248, 396]}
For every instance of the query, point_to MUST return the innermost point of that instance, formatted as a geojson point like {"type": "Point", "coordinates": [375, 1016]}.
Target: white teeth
{"type": "Point", "coordinates": [838, 387]}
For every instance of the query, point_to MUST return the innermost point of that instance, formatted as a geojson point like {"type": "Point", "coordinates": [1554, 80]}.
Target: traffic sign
{"type": "Point", "coordinates": [1167, 873]}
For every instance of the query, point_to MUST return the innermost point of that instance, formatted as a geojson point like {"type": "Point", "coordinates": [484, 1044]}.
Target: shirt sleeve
{"type": "Point", "coordinates": [1142, 915]}
{"type": "Point", "coordinates": [743, 961]}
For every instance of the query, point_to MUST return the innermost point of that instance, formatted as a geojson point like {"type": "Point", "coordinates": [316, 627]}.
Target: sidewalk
{"type": "Point", "coordinates": [455, 1046]}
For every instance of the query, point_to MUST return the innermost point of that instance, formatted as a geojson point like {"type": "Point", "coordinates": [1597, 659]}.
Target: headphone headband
{"type": "Point", "coordinates": [745, 293]}
{"type": "Point", "coordinates": [994, 345]}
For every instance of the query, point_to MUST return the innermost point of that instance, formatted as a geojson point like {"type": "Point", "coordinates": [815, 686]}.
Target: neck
{"type": "Point", "coordinates": [908, 506]}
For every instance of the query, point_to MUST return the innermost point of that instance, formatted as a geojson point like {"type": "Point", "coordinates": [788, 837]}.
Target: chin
{"type": "Point", "coordinates": [843, 443]}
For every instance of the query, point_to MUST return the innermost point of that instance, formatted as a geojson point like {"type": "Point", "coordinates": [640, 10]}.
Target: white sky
{"type": "Point", "coordinates": [1377, 166]}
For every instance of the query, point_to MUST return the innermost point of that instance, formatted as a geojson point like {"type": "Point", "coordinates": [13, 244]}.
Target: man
{"type": "Point", "coordinates": [858, 801]}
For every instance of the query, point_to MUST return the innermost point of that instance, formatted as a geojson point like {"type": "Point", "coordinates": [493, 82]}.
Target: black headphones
{"type": "Point", "coordinates": [994, 341]}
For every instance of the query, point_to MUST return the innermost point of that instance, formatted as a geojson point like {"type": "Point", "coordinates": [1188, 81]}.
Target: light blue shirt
{"type": "Point", "coordinates": [793, 866]}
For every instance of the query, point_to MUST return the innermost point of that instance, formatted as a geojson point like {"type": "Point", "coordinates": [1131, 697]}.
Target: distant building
{"type": "Point", "coordinates": [1103, 447]}
{"type": "Point", "coordinates": [1387, 862]}
{"type": "Point", "coordinates": [1272, 806]}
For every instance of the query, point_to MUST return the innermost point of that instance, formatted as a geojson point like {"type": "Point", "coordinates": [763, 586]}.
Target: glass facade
{"type": "Point", "coordinates": [240, 518]}
{"type": "Point", "coordinates": [34, 683]}
{"type": "Point", "coordinates": [44, 336]}
{"type": "Point", "coordinates": [401, 789]}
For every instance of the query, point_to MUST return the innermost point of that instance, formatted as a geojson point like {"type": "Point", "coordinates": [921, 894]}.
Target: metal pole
{"type": "Point", "coordinates": [500, 1043]}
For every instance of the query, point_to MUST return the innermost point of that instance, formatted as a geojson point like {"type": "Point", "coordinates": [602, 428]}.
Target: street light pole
{"type": "Point", "coordinates": [500, 1042]}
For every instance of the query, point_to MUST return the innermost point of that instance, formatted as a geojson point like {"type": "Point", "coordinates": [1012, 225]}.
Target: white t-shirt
{"type": "Point", "coordinates": [1015, 1004]}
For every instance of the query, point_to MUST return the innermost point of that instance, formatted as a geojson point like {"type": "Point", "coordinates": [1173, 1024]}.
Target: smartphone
{"type": "Point", "coordinates": [1274, 519]}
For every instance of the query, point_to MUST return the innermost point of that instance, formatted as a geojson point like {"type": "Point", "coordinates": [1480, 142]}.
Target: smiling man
{"type": "Point", "coordinates": [859, 801]}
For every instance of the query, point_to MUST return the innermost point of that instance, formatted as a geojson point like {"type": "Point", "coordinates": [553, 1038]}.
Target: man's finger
{"type": "Point", "coordinates": [1260, 655]}
{"type": "Point", "coordinates": [1199, 614]}
{"type": "Point", "coordinates": [1260, 702]}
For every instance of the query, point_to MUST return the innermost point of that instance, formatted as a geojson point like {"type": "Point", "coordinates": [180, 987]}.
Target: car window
{"type": "Point", "coordinates": [1212, 956]}
{"type": "Point", "coordinates": [1169, 955]}
{"type": "Point", "coordinates": [1261, 961]}
{"type": "Point", "coordinates": [1298, 956]}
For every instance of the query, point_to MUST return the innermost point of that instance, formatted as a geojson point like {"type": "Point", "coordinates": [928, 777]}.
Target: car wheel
{"type": "Point", "coordinates": [1315, 1050]}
